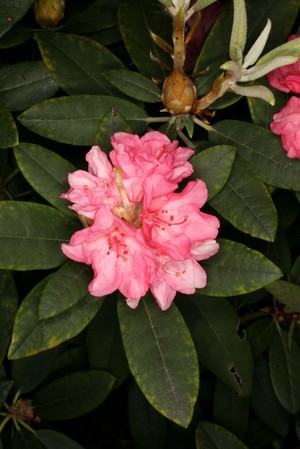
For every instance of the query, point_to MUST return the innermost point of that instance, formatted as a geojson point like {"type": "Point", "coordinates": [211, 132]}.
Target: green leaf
{"type": "Point", "coordinates": [31, 335]}
{"type": "Point", "coordinates": [211, 436]}
{"type": "Point", "coordinates": [5, 387]}
{"type": "Point", "coordinates": [8, 130]}
{"type": "Point", "coordinates": [134, 85]}
{"type": "Point", "coordinates": [260, 334]}
{"type": "Point", "coordinates": [31, 235]}
{"type": "Point", "coordinates": [237, 269]}
{"type": "Point", "coordinates": [12, 12]}
{"type": "Point", "coordinates": [230, 410]}
{"type": "Point", "coordinates": [287, 293]}
{"type": "Point", "coordinates": [25, 440]}
{"type": "Point", "coordinates": [76, 63]}
{"type": "Point", "coordinates": [246, 203]}
{"type": "Point", "coordinates": [16, 35]}
{"type": "Point", "coordinates": [74, 395]}
{"type": "Point", "coordinates": [75, 120]}
{"type": "Point", "coordinates": [262, 149]}
{"type": "Point", "coordinates": [213, 166]}
{"type": "Point", "coordinates": [24, 84]}
{"type": "Point", "coordinates": [229, 357]}
{"type": "Point", "coordinates": [8, 309]}
{"type": "Point", "coordinates": [144, 16]}
{"type": "Point", "coordinates": [110, 355]}
{"type": "Point", "coordinates": [98, 16]}
{"type": "Point", "coordinates": [265, 402]}
{"type": "Point", "coordinates": [157, 362]}
{"type": "Point", "coordinates": [65, 288]}
{"type": "Point", "coordinates": [285, 371]}
{"type": "Point", "coordinates": [46, 172]}
{"type": "Point", "coordinates": [111, 123]}
{"type": "Point", "coordinates": [56, 440]}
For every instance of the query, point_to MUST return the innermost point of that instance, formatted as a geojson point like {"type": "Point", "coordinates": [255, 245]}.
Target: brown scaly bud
{"type": "Point", "coordinates": [48, 13]}
{"type": "Point", "coordinates": [179, 93]}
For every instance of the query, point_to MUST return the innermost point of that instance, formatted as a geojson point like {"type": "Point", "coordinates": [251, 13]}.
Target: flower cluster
{"type": "Point", "coordinates": [286, 123]}
{"type": "Point", "coordinates": [142, 233]}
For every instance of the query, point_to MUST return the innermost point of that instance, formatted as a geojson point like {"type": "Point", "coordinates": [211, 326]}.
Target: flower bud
{"type": "Point", "coordinates": [179, 93]}
{"type": "Point", "coordinates": [49, 13]}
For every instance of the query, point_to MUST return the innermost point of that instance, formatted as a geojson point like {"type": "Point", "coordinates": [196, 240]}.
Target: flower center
{"type": "Point", "coordinates": [129, 212]}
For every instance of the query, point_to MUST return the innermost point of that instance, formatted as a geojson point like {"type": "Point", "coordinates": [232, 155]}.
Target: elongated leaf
{"type": "Point", "coordinates": [11, 12]}
{"type": "Point", "coordinates": [213, 166]}
{"type": "Point", "coordinates": [65, 288]}
{"type": "Point", "coordinates": [76, 119]}
{"type": "Point", "coordinates": [262, 149]}
{"type": "Point", "coordinates": [260, 334]}
{"type": "Point", "coordinates": [285, 371]}
{"type": "Point", "coordinates": [31, 335]}
{"type": "Point", "coordinates": [46, 172]}
{"type": "Point", "coordinates": [8, 130]}
{"type": "Point", "coordinates": [18, 34]}
{"type": "Point", "coordinates": [56, 440]}
{"type": "Point", "coordinates": [237, 269]}
{"type": "Point", "coordinates": [264, 401]}
{"type": "Point", "coordinates": [76, 62]}
{"type": "Point", "coordinates": [211, 436]}
{"type": "Point", "coordinates": [229, 356]}
{"type": "Point", "coordinates": [245, 202]}
{"type": "Point", "coordinates": [31, 235]}
{"type": "Point", "coordinates": [24, 84]}
{"type": "Point", "coordinates": [111, 123]}
{"type": "Point", "coordinates": [8, 309]}
{"type": "Point", "coordinates": [287, 293]}
{"type": "Point", "coordinates": [25, 440]}
{"type": "Point", "coordinates": [158, 363]}
{"type": "Point", "coordinates": [73, 395]}
{"type": "Point", "coordinates": [98, 16]}
{"type": "Point", "coordinates": [134, 85]}
{"type": "Point", "coordinates": [5, 387]}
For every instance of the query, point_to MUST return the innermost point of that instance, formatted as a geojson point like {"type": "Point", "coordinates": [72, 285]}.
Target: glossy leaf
{"type": "Point", "coordinates": [246, 203]}
{"type": "Point", "coordinates": [31, 335]}
{"type": "Point", "coordinates": [212, 436]}
{"type": "Point", "coordinates": [98, 16]}
{"type": "Point", "coordinates": [56, 440]}
{"type": "Point", "coordinates": [5, 387]}
{"type": "Point", "coordinates": [11, 12]}
{"type": "Point", "coordinates": [75, 120]}
{"type": "Point", "coordinates": [285, 371]}
{"type": "Point", "coordinates": [24, 84]}
{"type": "Point", "coordinates": [213, 166]}
{"type": "Point", "coordinates": [25, 440]}
{"type": "Point", "coordinates": [237, 269]}
{"type": "Point", "coordinates": [72, 396]}
{"type": "Point", "coordinates": [18, 34]}
{"type": "Point", "coordinates": [46, 172]}
{"type": "Point", "coordinates": [111, 123]}
{"type": "Point", "coordinates": [31, 235]}
{"type": "Point", "coordinates": [8, 131]}
{"type": "Point", "coordinates": [76, 63]}
{"type": "Point", "coordinates": [264, 401]}
{"type": "Point", "coordinates": [8, 309]}
{"type": "Point", "coordinates": [262, 149]}
{"type": "Point", "coordinates": [229, 356]}
{"type": "Point", "coordinates": [134, 85]}
{"type": "Point", "coordinates": [260, 334]}
{"type": "Point", "coordinates": [157, 362]}
{"type": "Point", "coordinates": [287, 293]}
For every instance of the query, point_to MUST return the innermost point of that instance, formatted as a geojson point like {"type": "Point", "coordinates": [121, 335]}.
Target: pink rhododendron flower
{"type": "Point", "coordinates": [286, 78]}
{"type": "Point", "coordinates": [287, 124]}
{"type": "Point", "coordinates": [142, 234]}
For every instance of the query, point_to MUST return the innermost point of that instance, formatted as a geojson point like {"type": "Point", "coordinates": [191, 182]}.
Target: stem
{"type": "Point", "coordinates": [11, 176]}
{"type": "Point", "coordinates": [4, 422]}
{"type": "Point", "coordinates": [156, 119]}
{"type": "Point", "coordinates": [186, 140]}
{"type": "Point", "coordinates": [207, 127]}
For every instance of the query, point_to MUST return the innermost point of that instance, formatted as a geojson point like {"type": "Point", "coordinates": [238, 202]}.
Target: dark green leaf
{"type": "Point", "coordinates": [46, 172]}
{"type": "Point", "coordinates": [65, 288]}
{"type": "Point", "coordinates": [246, 203]}
{"type": "Point", "coordinates": [11, 12]}
{"type": "Point", "coordinates": [8, 309]}
{"type": "Point", "coordinates": [260, 334]}
{"type": "Point", "coordinates": [8, 130]}
{"type": "Point", "coordinates": [285, 371]}
{"type": "Point", "coordinates": [157, 362]}
{"type": "Point", "coordinates": [111, 123]}
{"type": "Point", "coordinates": [31, 235]}
{"type": "Point", "coordinates": [73, 395]}
{"type": "Point", "coordinates": [229, 356]}
{"type": "Point", "coordinates": [213, 166]}
{"type": "Point", "coordinates": [24, 84]}
{"type": "Point", "coordinates": [134, 85]}
{"type": "Point", "coordinates": [98, 16]}
{"type": "Point", "coordinates": [5, 387]}
{"type": "Point", "coordinates": [56, 440]}
{"type": "Point", "coordinates": [265, 402]}
{"type": "Point", "coordinates": [295, 273]}
{"type": "Point", "coordinates": [26, 440]}
{"type": "Point", "coordinates": [237, 269]}
{"type": "Point", "coordinates": [211, 436]}
{"type": "Point", "coordinates": [31, 335]}
{"type": "Point", "coordinates": [76, 63]}
{"type": "Point", "coordinates": [76, 120]}
{"type": "Point", "coordinates": [262, 149]}
{"type": "Point", "coordinates": [287, 293]}
{"type": "Point", "coordinates": [17, 35]}
{"type": "Point", "coordinates": [259, 436]}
